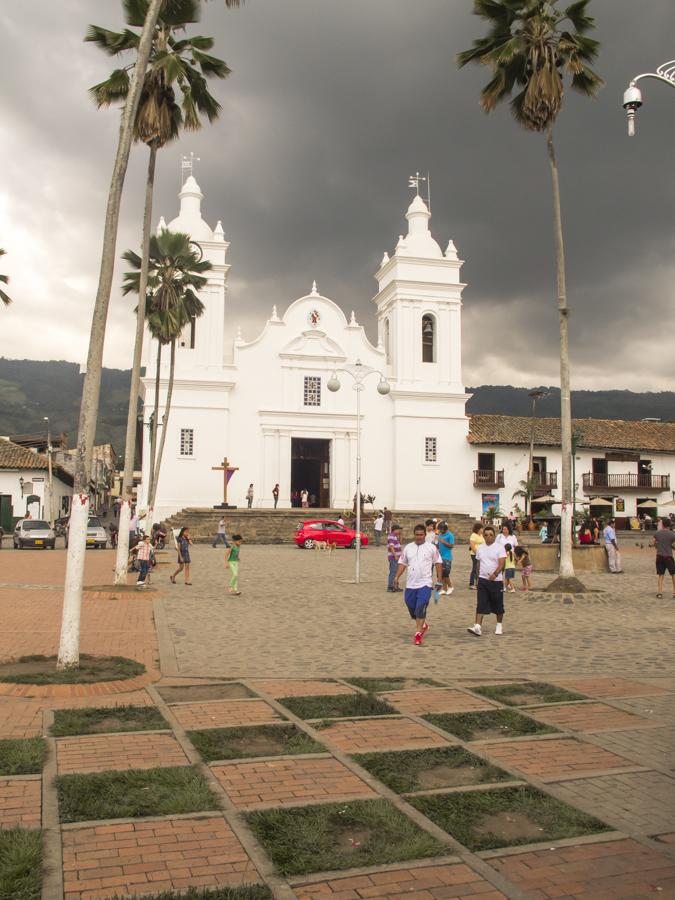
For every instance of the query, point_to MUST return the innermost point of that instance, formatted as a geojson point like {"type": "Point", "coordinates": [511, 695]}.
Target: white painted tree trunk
{"type": "Point", "coordinates": [566, 562]}
{"type": "Point", "coordinates": [165, 425]}
{"type": "Point", "coordinates": [122, 558]}
{"type": "Point", "coordinates": [69, 652]}
{"type": "Point", "coordinates": [69, 645]}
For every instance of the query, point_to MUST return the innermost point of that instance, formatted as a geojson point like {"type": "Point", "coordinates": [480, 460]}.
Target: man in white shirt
{"type": "Point", "coordinates": [418, 559]}
{"type": "Point", "coordinates": [377, 528]}
{"type": "Point", "coordinates": [490, 558]}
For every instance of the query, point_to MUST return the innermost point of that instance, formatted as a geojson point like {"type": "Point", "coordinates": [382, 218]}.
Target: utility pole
{"type": "Point", "coordinates": [50, 486]}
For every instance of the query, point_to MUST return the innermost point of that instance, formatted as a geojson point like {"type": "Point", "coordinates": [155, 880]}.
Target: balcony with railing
{"type": "Point", "coordinates": [488, 478]}
{"type": "Point", "coordinates": [544, 482]}
{"type": "Point", "coordinates": [627, 481]}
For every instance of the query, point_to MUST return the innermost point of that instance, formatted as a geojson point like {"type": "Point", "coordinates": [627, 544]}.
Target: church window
{"type": "Point", "coordinates": [312, 391]}
{"type": "Point", "coordinates": [428, 338]}
{"type": "Point", "coordinates": [187, 441]}
{"type": "Point", "coordinates": [430, 448]}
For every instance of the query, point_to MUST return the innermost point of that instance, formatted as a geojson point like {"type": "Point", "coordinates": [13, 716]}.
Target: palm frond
{"type": "Point", "coordinates": [114, 88]}
{"type": "Point", "coordinates": [112, 42]}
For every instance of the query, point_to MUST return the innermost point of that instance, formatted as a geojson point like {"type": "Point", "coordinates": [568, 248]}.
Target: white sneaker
{"type": "Point", "coordinates": [442, 592]}
{"type": "Point", "coordinates": [449, 591]}
{"type": "Point", "coordinates": [498, 628]}
{"type": "Point", "coordinates": [475, 630]}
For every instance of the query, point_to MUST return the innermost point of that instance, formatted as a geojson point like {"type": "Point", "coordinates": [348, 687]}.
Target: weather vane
{"type": "Point", "coordinates": [414, 182]}
{"type": "Point", "coordinates": [186, 165]}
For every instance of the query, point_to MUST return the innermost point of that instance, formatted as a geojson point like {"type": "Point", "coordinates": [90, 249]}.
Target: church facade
{"type": "Point", "coordinates": [264, 405]}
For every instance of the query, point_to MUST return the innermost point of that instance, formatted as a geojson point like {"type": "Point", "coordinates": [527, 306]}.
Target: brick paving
{"type": "Point", "coordinates": [555, 757]}
{"type": "Point", "coordinates": [364, 735]}
{"type": "Point", "coordinates": [280, 782]}
{"type": "Point", "coordinates": [224, 713]}
{"type": "Point", "coordinates": [449, 881]}
{"type": "Point", "coordinates": [152, 856]}
{"type": "Point", "coordinates": [588, 717]}
{"type": "Point", "coordinates": [602, 871]}
{"type": "Point", "coordinates": [299, 688]}
{"type": "Point", "coordinates": [98, 753]}
{"type": "Point", "coordinates": [435, 700]}
{"type": "Point", "coordinates": [625, 666]}
{"type": "Point", "coordinates": [609, 687]}
{"type": "Point", "coordinates": [20, 802]}
{"type": "Point", "coordinates": [637, 802]}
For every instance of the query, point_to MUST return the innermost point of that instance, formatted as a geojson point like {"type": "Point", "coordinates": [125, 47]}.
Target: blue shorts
{"type": "Point", "coordinates": [417, 600]}
{"type": "Point", "coordinates": [509, 573]}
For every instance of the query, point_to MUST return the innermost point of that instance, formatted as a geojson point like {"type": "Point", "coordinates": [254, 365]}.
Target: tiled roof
{"type": "Point", "coordinates": [607, 434]}
{"type": "Point", "coordinates": [12, 456]}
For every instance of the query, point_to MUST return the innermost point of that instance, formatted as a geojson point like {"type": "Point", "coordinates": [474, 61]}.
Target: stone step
{"type": "Point", "coordinates": [277, 526]}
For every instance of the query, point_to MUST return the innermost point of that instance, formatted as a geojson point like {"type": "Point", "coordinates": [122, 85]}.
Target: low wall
{"type": "Point", "coordinates": [589, 558]}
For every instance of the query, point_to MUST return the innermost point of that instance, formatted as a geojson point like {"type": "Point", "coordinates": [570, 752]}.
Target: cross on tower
{"type": "Point", "coordinates": [414, 182]}
{"type": "Point", "coordinates": [187, 165]}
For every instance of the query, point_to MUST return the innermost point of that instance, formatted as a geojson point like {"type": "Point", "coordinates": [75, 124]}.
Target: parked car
{"type": "Point", "coordinates": [33, 533]}
{"type": "Point", "coordinates": [308, 533]}
{"type": "Point", "coordinates": [97, 536]}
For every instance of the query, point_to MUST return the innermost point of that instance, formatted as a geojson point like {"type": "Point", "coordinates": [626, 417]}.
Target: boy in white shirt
{"type": "Point", "coordinates": [419, 558]}
{"type": "Point", "coordinates": [490, 558]}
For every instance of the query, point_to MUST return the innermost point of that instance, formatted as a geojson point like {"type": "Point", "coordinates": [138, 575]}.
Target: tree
{"type": "Point", "coordinates": [69, 642]}
{"type": "Point", "coordinates": [533, 47]}
{"type": "Point", "coordinates": [173, 63]}
{"type": "Point", "coordinates": [526, 491]}
{"type": "Point", "coordinates": [175, 275]}
{"type": "Point", "coordinates": [4, 279]}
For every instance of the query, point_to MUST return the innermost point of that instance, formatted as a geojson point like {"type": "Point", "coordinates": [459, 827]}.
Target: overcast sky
{"type": "Point", "coordinates": [330, 107]}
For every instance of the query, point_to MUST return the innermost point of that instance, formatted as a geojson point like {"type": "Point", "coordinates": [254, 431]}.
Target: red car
{"type": "Point", "coordinates": [308, 533]}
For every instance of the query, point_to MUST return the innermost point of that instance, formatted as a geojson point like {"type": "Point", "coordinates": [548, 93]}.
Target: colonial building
{"type": "Point", "coordinates": [24, 485]}
{"type": "Point", "coordinates": [262, 404]}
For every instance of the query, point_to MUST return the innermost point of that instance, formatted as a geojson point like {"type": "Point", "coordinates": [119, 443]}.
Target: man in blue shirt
{"type": "Point", "coordinates": [612, 548]}
{"type": "Point", "coordinates": [446, 541]}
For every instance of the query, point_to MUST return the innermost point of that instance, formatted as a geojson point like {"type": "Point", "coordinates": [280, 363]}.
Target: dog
{"type": "Point", "coordinates": [320, 545]}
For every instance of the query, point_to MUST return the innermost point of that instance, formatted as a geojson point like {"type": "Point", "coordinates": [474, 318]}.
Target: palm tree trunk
{"type": "Point", "coordinates": [130, 445]}
{"type": "Point", "coordinates": [566, 563]}
{"type": "Point", "coordinates": [165, 425]}
{"type": "Point", "coordinates": [155, 423]}
{"type": "Point", "coordinates": [69, 644]}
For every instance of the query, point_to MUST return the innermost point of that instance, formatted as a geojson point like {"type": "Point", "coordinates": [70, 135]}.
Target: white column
{"type": "Point", "coordinates": [285, 467]}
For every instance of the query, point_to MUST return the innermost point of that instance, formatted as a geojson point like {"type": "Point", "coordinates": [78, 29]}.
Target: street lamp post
{"type": "Point", "coordinates": [632, 98]}
{"type": "Point", "coordinates": [535, 395]}
{"type": "Point", "coordinates": [359, 373]}
{"type": "Point", "coordinates": [50, 476]}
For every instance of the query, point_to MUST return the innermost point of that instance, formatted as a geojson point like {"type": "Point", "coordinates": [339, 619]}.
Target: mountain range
{"type": "Point", "coordinates": [31, 389]}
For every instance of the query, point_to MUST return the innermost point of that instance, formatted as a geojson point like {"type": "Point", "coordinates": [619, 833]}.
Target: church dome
{"type": "Point", "coordinates": [419, 240]}
{"type": "Point", "coordinates": [189, 219]}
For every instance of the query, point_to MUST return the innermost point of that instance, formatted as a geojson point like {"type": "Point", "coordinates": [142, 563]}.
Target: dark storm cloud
{"type": "Point", "coordinates": [329, 109]}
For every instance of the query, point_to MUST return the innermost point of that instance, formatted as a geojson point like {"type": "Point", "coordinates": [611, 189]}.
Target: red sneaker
{"type": "Point", "coordinates": [418, 638]}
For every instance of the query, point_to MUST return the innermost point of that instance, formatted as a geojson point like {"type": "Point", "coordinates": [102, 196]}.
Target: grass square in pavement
{"type": "Point", "coordinates": [420, 770]}
{"type": "Point", "coordinates": [338, 706]}
{"type": "Point", "coordinates": [22, 757]}
{"type": "Point", "coordinates": [243, 892]}
{"type": "Point", "coordinates": [522, 694]}
{"type": "Point", "coordinates": [340, 836]}
{"type": "Point", "coordinates": [94, 720]}
{"type": "Point", "coordinates": [253, 740]}
{"type": "Point", "coordinates": [136, 792]}
{"type": "Point", "coordinates": [494, 723]}
{"type": "Point", "coordinates": [20, 864]}
{"type": "Point", "coordinates": [380, 685]}
{"type": "Point", "coordinates": [505, 817]}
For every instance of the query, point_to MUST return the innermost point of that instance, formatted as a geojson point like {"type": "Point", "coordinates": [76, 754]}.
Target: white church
{"type": "Point", "coordinates": [263, 404]}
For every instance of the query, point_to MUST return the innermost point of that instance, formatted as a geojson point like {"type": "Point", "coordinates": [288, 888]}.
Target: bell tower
{"type": "Point", "coordinates": [419, 306]}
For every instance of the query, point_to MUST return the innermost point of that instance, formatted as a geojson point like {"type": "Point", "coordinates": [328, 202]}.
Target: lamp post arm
{"type": "Point", "coordinates": [632, 98]}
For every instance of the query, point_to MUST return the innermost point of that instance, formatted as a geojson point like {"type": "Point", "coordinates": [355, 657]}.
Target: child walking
{"type": "Point", "coordinates": [183, 540]}
{"type": "Point", "coordinates": [509, 568]}
{"type": "Point", "coordinates": [523, 559]}
{"type": "Point", "coordinates": [232, 563]}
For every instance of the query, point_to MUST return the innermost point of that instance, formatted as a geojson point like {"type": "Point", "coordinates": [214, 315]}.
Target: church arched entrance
{"type": "Point", "coordinates": [310, 469]}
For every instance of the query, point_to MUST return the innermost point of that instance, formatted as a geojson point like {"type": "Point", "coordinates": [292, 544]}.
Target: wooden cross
{"type": "Point", "coordinates": [228, 471]}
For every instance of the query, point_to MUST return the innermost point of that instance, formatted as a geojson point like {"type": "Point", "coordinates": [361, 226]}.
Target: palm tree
{"type": "Point", "coordinates": [182, 64]}
{"type": "Point", "coordinates": [175, 273]}
{"type": "Point", "coordinates": [534, 47]}
{"type": "Point", "coordinates": [526, 491]}
{"type": "Point", "coordinates": [69, 642]}
{"type": "Point", "coordinates": [4, 279]}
